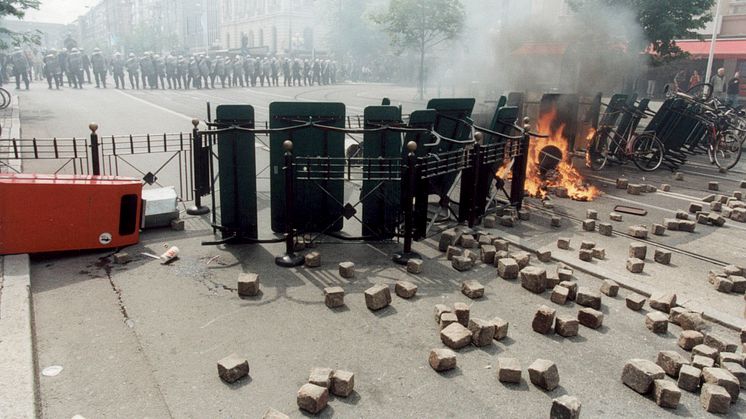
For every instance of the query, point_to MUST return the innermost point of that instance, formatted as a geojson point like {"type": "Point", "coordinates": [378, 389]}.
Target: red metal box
{"type": "Point", "coordinates": [49, 213]}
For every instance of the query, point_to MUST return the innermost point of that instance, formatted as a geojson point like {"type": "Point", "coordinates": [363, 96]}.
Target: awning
{"type": "Point", "coordinates": [724, 48]}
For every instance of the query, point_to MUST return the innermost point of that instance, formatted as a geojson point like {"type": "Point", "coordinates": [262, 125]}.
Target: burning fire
{"type": "Point", "coordinates": [588, 140]}
{"type": "Point", "coordinates": [564, 178]}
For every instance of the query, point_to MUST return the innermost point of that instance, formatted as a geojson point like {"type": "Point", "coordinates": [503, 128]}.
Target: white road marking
{"type": "Point", "coordinates": [159, 107]}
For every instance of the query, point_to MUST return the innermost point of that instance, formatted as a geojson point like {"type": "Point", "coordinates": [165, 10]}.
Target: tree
{"type": "Point", "coordinates": [421, 25]}
{"type": "Point", "coordinates": [17, 8]}
{"type": "Point", "coordinates": [662, 22]}
{"type": "Point", "coordinates": [351, 33]}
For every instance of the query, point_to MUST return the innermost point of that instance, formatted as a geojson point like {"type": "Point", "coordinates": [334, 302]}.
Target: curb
{"type": "Point", "coordinates": [17, 369]}
{"type": "Point", "coordinates": [715, 316]}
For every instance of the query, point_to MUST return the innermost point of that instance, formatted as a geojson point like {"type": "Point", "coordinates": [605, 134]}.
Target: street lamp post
{"type": "Point", "coordinates": [711, 57]}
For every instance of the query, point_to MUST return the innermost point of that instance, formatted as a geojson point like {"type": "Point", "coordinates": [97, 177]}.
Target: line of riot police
{"type": "Point", "coordinates": [199, 71]}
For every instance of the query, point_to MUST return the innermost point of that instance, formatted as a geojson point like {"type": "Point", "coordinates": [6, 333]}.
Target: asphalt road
{"type": "Point", "coordinates": [143, 339]}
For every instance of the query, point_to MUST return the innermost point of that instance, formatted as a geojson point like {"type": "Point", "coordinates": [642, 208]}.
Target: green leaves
{"type": "Point", "coordinates": [17, 8]}
{"type": "Point", "coordinates": [421, 24]}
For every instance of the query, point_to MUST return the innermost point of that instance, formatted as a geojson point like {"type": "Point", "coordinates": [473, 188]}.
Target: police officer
{"type": "Point", "coordinates": [287, 75]}
{"type": "Point", "coordinates": [275, 71]}
{"type": "Point", "coordinates": [296, 68]}
{"type": "Point", "coordinates": [98, 63]}
{"type": "Point", "coordinates": [218, 72]}
{"type": "Point", "coordinates": [133, 68]}
{"type": "Point", "coordinates": [159, 66]}
{"type": "Point", "coordinates": [238, 79]}
{"type": "Point", "coordinates": [86, 62]}
{"type": "Point", "coordinates": [117, 70]}
{"type": "Point", "coordinates": [316, 72]}
{"type": "Point", "coordinates": [182, 72]}
{"type": "Point", "coordinates": [147, 71]}
{"type": "Point", "coordinates": [194, 77]}
{"type": "Point", "coordinates": [52, 69]}
{"type": "Point", "coordinates": [205, 70]}
{"type": "Point", "coordinates": [75, 65]}
{"type": "Point", "coordinates": [20, 67]}
{"type": "Point", "coordinates": [248, 69]}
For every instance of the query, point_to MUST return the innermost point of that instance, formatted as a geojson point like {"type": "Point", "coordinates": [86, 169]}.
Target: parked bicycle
{"type": "Point", "coordinates": [4, 98]}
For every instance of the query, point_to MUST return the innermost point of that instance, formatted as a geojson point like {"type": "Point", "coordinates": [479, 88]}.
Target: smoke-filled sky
{"type": "Point", "coordinates": [59, 11]}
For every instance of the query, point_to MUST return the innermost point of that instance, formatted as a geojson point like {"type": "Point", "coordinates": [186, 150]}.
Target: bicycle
{"type": "Point", "coordinates": [645, 150]}
{"type": "Point", "coordinates": [4, 98]}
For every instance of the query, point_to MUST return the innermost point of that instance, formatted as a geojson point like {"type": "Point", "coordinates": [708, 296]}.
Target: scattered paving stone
{"type": "Point", "coordinates": [565, 407]}
{"type": "Point", "coordinates": [609, 287]}
{"type": "Point", "coordinates": [455, 336]}
{"type": "Point", "coordinates": [544, 255]}
{"type": "Point", "coordinates": [248, 284]}
{"type": "Point", "coordinates": [638, 232]}
{"type": "Point", "coordinates": [312, 260]}
{"type": "Point", "coordinates": [605, 229]}
{"type": "Point", "coordinates": [490, 221]}
{"type": "Point", "coordinates": [666, 187]}
{"type": "Point", "coordinates": [589, 317]}
{"type": "Point", "coordinates": [690, 321]}
{"type": "Point", "coordinates": [656, 322]}
{"type": "Point", "coordinates": [571, 287]}
{"type": "Point", "coordinates": [405, 289]}
{"type": "Point", "coordinates": [682, 215]}
{"type": "Point", "coordinates": [501, 328]}
{"type": "Point", "coordinates": [442, 359]}
{"type": "Point", "coordinates": [589, 225]}
{"type": "Point", "coordinates": [622, 183]}
{"type": "Point", "coordinates": [543, 320]}
{"type": "Point", "coordinates": [441, 309]}
{"type": "Point", "coordinates": [671, 362]}
{"type": "Point", "coordinates": [663, 302]}
{"type": "Point", "coordinates": [177, 225]}
{"type": "Point", "coordinates": [501, 244]}
{"type": "Point", "coordinates": [121, 258]}
{"type": "Point", "coordinates": [471, 255]}
{"type": "Point", "coordinates": [446, 319]}
{"type": "Point", "coordinates": [508, 370]}
{"type": "Point", "coordinates": [716, 206]}
{"type": "Point", "coordinates": [714, 398]}
{"type": "Point", "coordinates": [743, 335]}
{"type": "Point", "coordinates": [648, 188]}
{"type": "Point", "coordinates": [587, 298]}
{"type": "Point", "coordinates": [462, 312]}
{"type": "Point", "coordinates": [377, 297]}
{"type": "Point", "coordinates": [671, 224]}
{"type": "Point", "coordinates": [448, 238]}
{"type": "Point", "coordinates": [701, 362]}
{"type": "Point", "coordinates": [723, 284]}
{"type": "Point", "coordinates": [488, 252]}
{"type": "Point", "coordinates": [687, 226]}
{"type": "Point", "coordinates": [414, 266]}
{"type": "Point", "coordinates": [472, 289]}
{"type": "Point", "coordinates": [615, 216]}
{"type": "Point", "coordinates": [347, 270]}
{"type": "Point", "coordinates": [564, 274]}
{"type": "Point", "coordinates": [638, 250]}
{"type": "Point", "coordinates": [713, 186]}
{"type": "Point", "coordinates": [738, 195]}
{"type": "Point", "coordinates": [544, 374]}
{"type": "Point", "coordinates": [272, 413]}
{"type": "Point", "coordinates": [710, 198]}
{"type": "Point", "coordinates": [706, 350]}
{"type": "Point", "coordinates": [453, 252]}
{"type": "Point", "coordinates": [586, 255]}
{"type": "Point", "coordinates": [666, 393]}
{"type": "Point", "coordinates": [507, 268]}
{"type": "Point", "coordinates": [731, 357]}
{"type": "Point", "coordinates": [723, 378]}
{"type": "Point", "coordinates": [678, 176]}
{"type": "Point", "coordinates": [334, 297]}
{"type": "Point", "coordinates": [635, 265]}
{"type": "Point", "coordinates": [485, 240]}
{"type": "Point", "coordinates": [553, 279]}
{"type": "Point", "coordinates": [739, 284]}
{"type": "Point", "coordinates": [563, 243]}
{"type": "Point", "coordinates": [737, 370]}
{"type": "Point", "coordinates": [688, 339]}
{"type": "Point", "coordinates": [468, 241]}
{"type": "Point", "coordinates": [689, 378]}
{"type": "Point", "coordinates": [523, 258]}
{"type": "Point", "coordinates": [587, 244]}
{"type": "Point", "coordinates": [482, 332]}
{"type": "Point", "coordinates": [719, 342]}
{"type": "Point", "coordinates": [534, 279]}
{"type": "Point", "coordinates": [507, 221]}
{"type": "Point", "coordinates": [662, 256]}
{"type": "Point", "coordinates": [462, 263]}
{"type": "Point", "coordinates": [733, 270]}
{"type": "Point", "coordinates": [312, 398]}
{"type": "Point", "coordinates": [232, 368]}
{"type": "Point", "coordinates": [560, 295]}
{"type": "Point", "coordinates": [634, 189]}
{"type": "Point", "coordinates": [343, 383]}
{"type": "Point", "coordinates": [555, 221]}
{"type": "Point", "coordinates": [658, 229]}
{"type": "Point", "coordinates": [321, 377]}
{"type": "Point", "coordinates": [694, 208]}
{"type": "Point", "coordinates": [635, 302]}
{"type": "Point", "coordinates": [639, 374]}
{"type": "Point", "coordinates": [566, 326]}
{"type": "Point", "coordinates": [591, 214]}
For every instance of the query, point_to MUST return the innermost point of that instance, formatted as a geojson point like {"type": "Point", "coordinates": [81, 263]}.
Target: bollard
{"type": "Point", "coordinates": [290, 258]}
{"type": "Point", "coordinates": [410, 175]}
{"type": "Point", "coordinates": [95, 163]}
{"type": "Point", "coordinates": [198, 171]}
{"type": "Point", "coordinates": [520, 165]}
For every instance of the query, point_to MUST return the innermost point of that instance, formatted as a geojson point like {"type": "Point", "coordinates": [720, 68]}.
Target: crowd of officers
{"type": "Point", "coordinates": [153, 71]}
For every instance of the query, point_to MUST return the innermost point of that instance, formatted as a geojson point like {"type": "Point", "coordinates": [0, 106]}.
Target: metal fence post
{"type": "Point", "coordinates": [290, 258]}
{"type": "Point", "coordinates": [95, 163]}
{"type": "Point", "coordinates": [517, 188]}
{"type": "Point", "coordinates": [410, 177]}
{"type": "Point", "coordinates": [198, 171]}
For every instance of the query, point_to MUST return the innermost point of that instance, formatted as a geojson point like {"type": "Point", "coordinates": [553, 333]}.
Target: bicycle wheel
{"type": "Point", "coordinates": [5, 97]}
{"type": "Point", "coordinates": [647, 152]}
{"type": "Point", "coordinates": [727, 151]}
{"type": "Point", "coordinates": [597, 153]}
{"type": "Point", "coordinates": [701, 91]}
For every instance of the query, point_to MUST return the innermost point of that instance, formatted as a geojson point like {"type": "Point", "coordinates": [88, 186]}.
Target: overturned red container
{"type": "Point", "coordinates": [50, 213]}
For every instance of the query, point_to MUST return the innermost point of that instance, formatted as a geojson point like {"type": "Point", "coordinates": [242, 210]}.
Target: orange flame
{"type": "Point", "coordinates": [565, 176]}
{"type": "Point", "coordinates": [588, 140]}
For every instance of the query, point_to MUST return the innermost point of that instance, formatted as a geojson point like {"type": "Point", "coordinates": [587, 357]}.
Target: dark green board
{"type": "Point", "coordinates": [237, 168]}
{"type": "Point", "coordinates": [448, 110]}
{"type": "Point", "coordinates": [381, 203]}
{"type": "Point", "coordinates": [315, 210]}
{"type": "Point", "coordinates": [420, 119]}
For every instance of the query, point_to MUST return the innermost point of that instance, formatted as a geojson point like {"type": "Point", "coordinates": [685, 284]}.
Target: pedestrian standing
{"type": "Point", "coordinates": [695, 79]}
{"type": "Point", "coordinates": [734, 89]}
{"type": "Point", "coordinates": [718, 83]}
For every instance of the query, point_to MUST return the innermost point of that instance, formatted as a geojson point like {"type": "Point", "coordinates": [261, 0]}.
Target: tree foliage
{"type": "Point", "coordinates": [662, 21]}
{"type": "Point", "coordinates": [17, 9]}
{"type": "Point", "coordinates": [351, 33]}
{"type": "Point", "coordinates": [421, 25]}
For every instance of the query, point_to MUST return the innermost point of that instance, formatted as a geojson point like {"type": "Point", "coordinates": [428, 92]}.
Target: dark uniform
{"type": "Point", "coordinates": [171, 71]}
{"type": "Point", "coordinates": [219, 71]}
{"type": "Point", "coordinates": [182, 72]}
{"type": "Point", "coordinates": [287, 76]}
{"type": "Point", "coordinates": [133, 68]}
{"type": "Point", "coordinates": [86, 62]}
{"type": "Point", "coordinates": [194, 77]}
{"type": "Point", "coordinates": [238, 79]}
{"type": "Point", "coordinates": [98, 63]}
{"type": "Point", "coordinates": [159, 66]}
{"type": "Point", "coordinates": [20, 68]}
{"type": "Point", "coordinates": [75, 66]}
{"type": "Point", "coordinates": [117, 70]}
{"type": "Point", "coordinates": [205, 70]}
{"type": "Point", "coordinates": [297, 66]}
{"type": "Point", "coordinates": [248, 70]}
{"type": "Point", "coordinates": [147, 70]}
{"type": "Point", "coordinates": [52, 70]}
